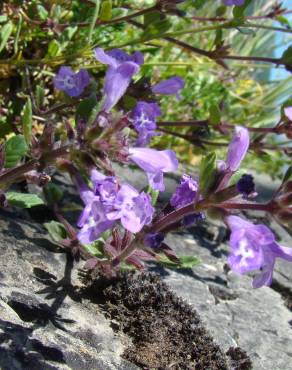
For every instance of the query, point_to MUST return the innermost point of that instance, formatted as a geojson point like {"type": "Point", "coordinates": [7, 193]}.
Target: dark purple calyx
{"type": "Point", "coordinates": [245, 185]}
{"type": "Point", "coordinates": [153, 240]}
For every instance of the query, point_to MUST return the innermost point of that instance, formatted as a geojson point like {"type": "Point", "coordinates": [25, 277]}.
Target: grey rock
{"type": "Point", "coordinates": [43, 323]}
{"type": "Point", "coordinates": [257, 320]}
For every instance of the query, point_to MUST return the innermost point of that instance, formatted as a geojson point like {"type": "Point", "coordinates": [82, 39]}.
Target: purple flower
{"type": "Point", "coordinates": [154, 163]}
{"type": "Point", "coordinates": [106, 203]}
{"type": "Point", "coordinates": [253, 247]}
{"type": "Point", "coordinates": [133, 209]}
{"type": "Point", "coordinates": [237, 149]}
{"type": "Point", "coordinates": [288, 113]}
{"type": "Point", "coordinates": [93, 219]}
{"type": "Point", "coordinates": [185, 192]}
{"type": "Point", "coordinates": [168, 87]}
{"type": "Point", "coordinates": [233, 2]}
{"type": "Point", "coordinates": [71, 83]}
{"type": "Point", "coordinates": [122, 67]}
{"type": "Point", "coordinates": [144, 120]}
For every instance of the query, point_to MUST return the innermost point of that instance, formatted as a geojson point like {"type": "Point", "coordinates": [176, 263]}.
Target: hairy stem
{"type": "Point", "coordinates": [173, 217]}
{"type": "Point", "coordinates": [13, 174]}
{"type": "Point", "coordinates": [248, 206]}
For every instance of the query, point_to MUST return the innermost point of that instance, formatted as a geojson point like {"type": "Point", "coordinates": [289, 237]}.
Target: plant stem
{"type": "Point", "coordinates": [213, 56]}
{"type": "Point", "coordinates": [112, 21]}
{"type": "Point", "coordinates": [172, 217]}
{"type": "Point", "coordinates": [196, 30]}
{"type": "Point", "coordinates": [93, 22]}
{"type": "Point", "coordinates": [251, 206]}
{"type": "Point", "coordinates": [262, 26]}
{"type": "Point", "coordinates": [13, 174]}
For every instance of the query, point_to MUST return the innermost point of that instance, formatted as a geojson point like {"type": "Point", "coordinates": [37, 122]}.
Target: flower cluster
{"type": "Point", "coordinates": [108, 202]}
{"type": "Point", "coordinates": [111, 205]}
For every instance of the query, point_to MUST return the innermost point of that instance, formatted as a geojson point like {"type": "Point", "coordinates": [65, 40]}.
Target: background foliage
{"type": "Point", "coordinates": [37, 37]}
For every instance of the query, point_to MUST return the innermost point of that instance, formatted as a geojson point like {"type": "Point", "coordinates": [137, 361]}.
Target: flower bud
{"type": "Point", "coordinates": [153, 240]}
{"type": "Point", "coordinates": [246, 186]}
{"type": "Point", "coordinates": [193, 219]}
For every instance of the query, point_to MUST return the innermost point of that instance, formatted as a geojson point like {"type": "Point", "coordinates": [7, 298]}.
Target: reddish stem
{"type": "Point", "coordinates": [251, 206]}
{"type": "Point", "coordinates": [173, 217]}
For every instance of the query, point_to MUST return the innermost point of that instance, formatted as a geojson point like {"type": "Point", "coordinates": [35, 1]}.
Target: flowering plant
{"type": "Point", "coordinates": [116, 123]}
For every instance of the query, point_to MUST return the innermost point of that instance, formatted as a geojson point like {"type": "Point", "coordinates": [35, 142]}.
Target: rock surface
{"type": "Point", "coordinates": [235, 314]}
{"type": "Point", "coordinates": [45, 324]}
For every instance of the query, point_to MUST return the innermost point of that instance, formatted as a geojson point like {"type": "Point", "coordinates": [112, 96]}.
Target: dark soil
{"type": "Point", "coordinates": [239, 359]}
{"type": "Point", "coordinates": [166, 332]}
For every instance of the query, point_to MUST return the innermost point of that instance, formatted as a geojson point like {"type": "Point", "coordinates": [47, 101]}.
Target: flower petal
{"type": "Point", "coordinates": [238, 148]}
{"type": "Point", "coordinates": [116, 83]}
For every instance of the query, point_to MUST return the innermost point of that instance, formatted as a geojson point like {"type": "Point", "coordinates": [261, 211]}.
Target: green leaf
{"type": "Point", "coordinates": [283, 20]}
{"type": "Point", "coordinates": [246, 31]}
{"type": "Point", "coordinates": [40, 96]}
{"type": "Point", "coordinates": [27, 121]}
{"type": "Point", "coordinates": [86, 107]}
{"type": "Point", "coordinates": [105, 13]}
{"type": "Point", "coordinates": [5, 32]}
{"type": "Point", "coordinates": [189, 261]}
{"type": "Point", "coordinates": [287, 56]}
{"type": "Point", "coordinates": [199, 3]}
{"type": "Point", "coordinates": [43, 13]}
{"type": "Point", "coordinates": [22, 200]}
{"type": "Point", "coordinates": [215, 114]}
{"type": "Point", "coordinates": [53, 193]}
{"type": "Point", "coordinates": [185, 262]}
{"type": "Point", "coordinates": [218, 37]}
{"type": "Point", "coordinates": [95, 248]}
{"type": "Point", "coordinates": [221, 10]}
{"type": "Point", "coordinates": [3, 18]}
{"type": "Point", "coordinates": [54, 48]}
{"type": "Point", "coordinates": [56, 231]}
{"type": "Point", "coordinates": [151, 17]}
{"type": "Point", "coordinates": [154, 195]}
{"type": "Point", "coordinates": [207, 172]}
{"type": "Point", "coordinates": [156, 29]}
{"type": "Point", "coordinates": [15, 149]}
